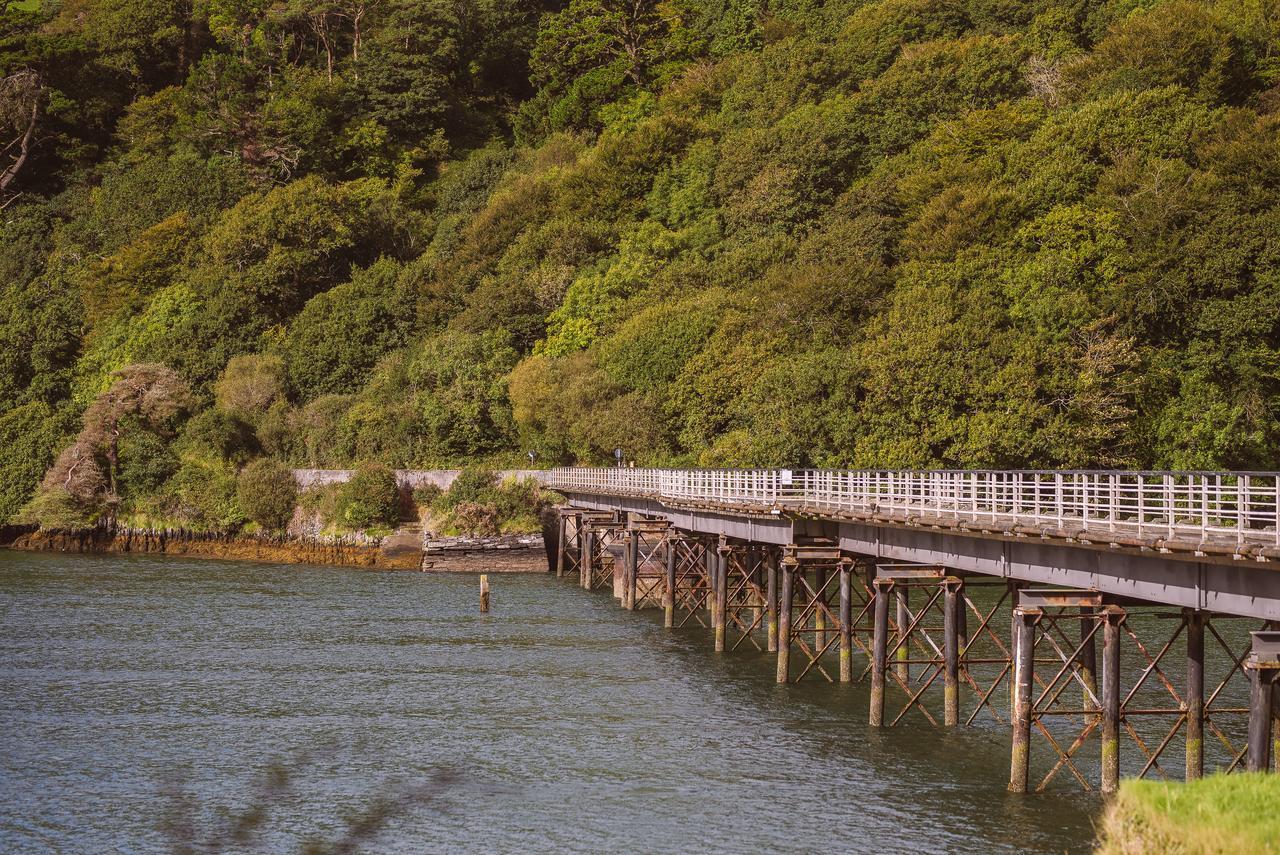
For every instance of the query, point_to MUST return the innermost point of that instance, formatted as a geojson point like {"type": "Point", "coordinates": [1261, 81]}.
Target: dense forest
{"type": "Point", "coordinates": [872, 233]}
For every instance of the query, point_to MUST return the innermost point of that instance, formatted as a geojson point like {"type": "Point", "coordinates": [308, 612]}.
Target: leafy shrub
{"type": "Point", "coordinates": [267, 492]}
{"type": "Point", "coordinates": [220, 434]}
{"type": "Point", "coordinates": [475, 519]}
{"type": "Point", "coordinates": [201, 495]}
{"type": "Point", "coordinates": [370, 498]}
{"type": "Point", "coordinates": [477, 504]}
{"type": "Point", "coordinates": [250, 385]}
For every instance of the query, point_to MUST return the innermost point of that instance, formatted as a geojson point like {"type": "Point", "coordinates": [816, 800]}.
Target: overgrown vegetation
{"type": "Point", "coordinates": [896, 233]}
{"type": "Point", "coordinates": [267, 493]}
{"type": "Point", "coordinates": [478, 503]}
{"type": "Point", "coordinates": [1218, 814]}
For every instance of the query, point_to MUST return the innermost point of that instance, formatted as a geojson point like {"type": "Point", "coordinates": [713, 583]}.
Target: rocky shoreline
{"type": "Point", "coordinates": [507, 554]}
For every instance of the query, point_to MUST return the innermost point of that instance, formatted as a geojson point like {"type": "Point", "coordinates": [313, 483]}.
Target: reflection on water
{"type": "Point", "coordinates": [571, 725]}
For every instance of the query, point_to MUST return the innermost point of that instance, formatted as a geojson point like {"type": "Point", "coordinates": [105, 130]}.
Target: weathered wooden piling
{"type": "Point", "coordinates": [879, 650]}
{"type": "Point", "coordinates": [846, 621]}
{"type": "Point", "coordinates": [484, 593]}
{"type": "Point", "coordinates": [951, 652]}
{"type": "Point", "coordinates": [1194, 694]}
{"type": "Point", "coordinates": [1023, 680]}
{"type": "Point", "coordinates": [788, 571]}
{"type": "Point", "coordinates": [1113, 616]}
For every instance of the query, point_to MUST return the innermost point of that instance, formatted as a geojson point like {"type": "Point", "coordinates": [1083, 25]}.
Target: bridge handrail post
{"type": "Point", "coordinates": [1204, 506]}
{"type": "Point", "coordinates": [1242, 506]}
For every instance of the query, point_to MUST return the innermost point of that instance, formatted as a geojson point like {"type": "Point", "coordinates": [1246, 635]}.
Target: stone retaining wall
{"type": "Point", "coordinates": [408, 479]}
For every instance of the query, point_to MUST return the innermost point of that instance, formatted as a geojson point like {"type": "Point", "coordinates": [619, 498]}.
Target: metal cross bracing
{"type": "Point", "coordinates": [741, 616]}
{"type": "Point", "coordinates": [931, 646]}
{"type": "Point", "coordinates": [690, 574]}
{"type": "Point", "coordinates": [1134, 700]}
{"type": "Point", "coordinates": [600, 534]}
{"type": "Point", "coordinates": [820, 608]}
{"type": "Point", "coordinates": [932, 627]}
{"type": "Point", "coordinates": [644, 577]}
{"type": "Point", "coordinates": [569, 544]}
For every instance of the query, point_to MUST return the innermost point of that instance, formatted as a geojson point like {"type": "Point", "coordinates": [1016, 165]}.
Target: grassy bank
{"type": "Point", "coordinates": [1222, 813]}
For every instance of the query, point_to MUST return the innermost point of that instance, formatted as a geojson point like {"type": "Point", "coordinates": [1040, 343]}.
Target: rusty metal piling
{"type": "Point", "coordinates": [879, 650]}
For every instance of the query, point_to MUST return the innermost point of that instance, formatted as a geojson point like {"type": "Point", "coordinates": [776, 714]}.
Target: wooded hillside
{"type": "Point", "coordinates": [873, 233]}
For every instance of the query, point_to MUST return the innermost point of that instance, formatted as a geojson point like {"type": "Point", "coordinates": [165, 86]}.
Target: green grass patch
{"type": "Point", "coordinates": [1221, 813]}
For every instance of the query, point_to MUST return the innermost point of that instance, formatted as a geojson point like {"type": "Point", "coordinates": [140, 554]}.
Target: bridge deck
{"type": "Point", "coordinates": [1198, 540]}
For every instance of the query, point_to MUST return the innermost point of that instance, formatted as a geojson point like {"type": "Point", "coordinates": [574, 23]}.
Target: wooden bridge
{"type": "Point", "coordinates": [974, 597]}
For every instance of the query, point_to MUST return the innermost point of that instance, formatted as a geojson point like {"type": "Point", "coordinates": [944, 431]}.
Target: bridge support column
{"type": "Point", "coordinates": [903, 651]}
{"type": "Point", "coordinates": [1015, 626]}
{"type": "Point", "coordinates": [1112, 618]}
{"type": "Point", "coordinates": [952, 603]}
{"type": "Point", "coordinates": [879, 650]}
{"type": "Point", "coordinates": [771, 594]}
{"type": "Point", "coordinates": [846, 621]}
{"type": "Point", "coordinates": [1023, 680]}
{"type": "Point", "coordinates": [819, 614]}
{"type": "Point", "coordinates": [669, 597]}
{"type": "Point", "coordinates": [788, 571]}
{"type": "Point", "coordinates": [1088, 658]}
{"type": "Point", "coordinates": [562, 544]}
{"type": "Point", "coordinates": [713, 580]}
{"type": "Point", "coordinates": [721, 612]}
{"type": "Point", "coordinates": [1194, 696]}
{"type": "Point", "coordinates": [587, 563]}
{"type": "Point", "coordinates": [631, 551]}
{"type": "Point", "coordinates": [1263, 668]}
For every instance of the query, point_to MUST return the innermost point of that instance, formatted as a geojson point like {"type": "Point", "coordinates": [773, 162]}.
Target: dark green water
{"type": "Point", "coordinates": [570, 725]}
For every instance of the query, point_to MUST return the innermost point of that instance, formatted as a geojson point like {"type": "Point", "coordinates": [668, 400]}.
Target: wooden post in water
{"type": "Point", "coordinates": [1195, 693]}
{"type": "Point", "coordinates": [951, 652]}
{"type": "Point", "coordinates": [903, 651]}
{"type": "Point", "coordinates": [771, 594]}
{"type": "Point", "coordinates": [484, 593]}
{"type": "Point", "coordinates": [669, 598]}
{"type": "Point", "coordinates": [1023, 680]}
{"type": "Point", "coordinates": [722, 596]}
{"type": "Point", "coordinates": [846, 621]}
{"type": "Point", "coordinates": [787, 570]}
{"type": "Point", "coordinates": [880, 650]}
{"type": "Point", "coordinates": [1113, 616]}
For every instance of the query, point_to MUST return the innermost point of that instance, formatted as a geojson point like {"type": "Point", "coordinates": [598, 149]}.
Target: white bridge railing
{"type": "Point", "coordinates": [1204, 506]}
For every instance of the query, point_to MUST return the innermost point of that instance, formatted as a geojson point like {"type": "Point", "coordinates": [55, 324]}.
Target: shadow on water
{"type": "Point", "coordinates": [572, 725]}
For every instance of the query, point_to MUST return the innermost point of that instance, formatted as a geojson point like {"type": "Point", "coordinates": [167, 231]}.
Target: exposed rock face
{"type": "Point", "coordinates": [234, 547]}
{"type": "Point", "coordinates": [515, 553]}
